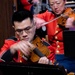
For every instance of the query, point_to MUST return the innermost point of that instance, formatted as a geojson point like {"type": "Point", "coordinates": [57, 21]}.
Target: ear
{"type": "Point", "coordinates": [12, 26]}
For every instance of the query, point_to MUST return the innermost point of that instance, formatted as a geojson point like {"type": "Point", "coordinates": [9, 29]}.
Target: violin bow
{"type": "Point", "coordinates": [62, 15]}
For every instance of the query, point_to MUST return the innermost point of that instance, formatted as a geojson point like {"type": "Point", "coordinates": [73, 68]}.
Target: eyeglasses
{"type": "Point", "coordinates": [27, 30]}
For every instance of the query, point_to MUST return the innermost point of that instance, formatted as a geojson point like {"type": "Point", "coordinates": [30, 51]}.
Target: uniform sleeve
{"type": "Point", "coordinates": [5, 53]}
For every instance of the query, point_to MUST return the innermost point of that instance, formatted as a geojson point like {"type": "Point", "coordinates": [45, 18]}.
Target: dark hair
{"type": "Point", "coordinates": [21, 15]}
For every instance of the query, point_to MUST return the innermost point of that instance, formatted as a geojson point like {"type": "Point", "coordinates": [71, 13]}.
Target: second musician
{"type": "Point", "coordinates": [55, 30]}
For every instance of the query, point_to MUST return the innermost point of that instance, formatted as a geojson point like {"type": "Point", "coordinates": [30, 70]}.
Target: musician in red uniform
{"type": "Point", "coordinates": [55, 30]}
{"type": "Point", "coordinates": [19, 48]}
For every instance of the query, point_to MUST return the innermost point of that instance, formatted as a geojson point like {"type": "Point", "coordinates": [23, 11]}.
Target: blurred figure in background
{"type": "Point", "coordinates": [30, 5]}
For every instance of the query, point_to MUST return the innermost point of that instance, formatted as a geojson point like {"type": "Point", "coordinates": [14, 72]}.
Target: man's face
{"type": "Point", "coordinates": [57, 6]}
{"type": "Point", "coordinates": [24, 30]}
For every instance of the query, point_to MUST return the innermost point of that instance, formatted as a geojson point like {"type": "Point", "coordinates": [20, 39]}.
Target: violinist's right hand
{"type": "Point", "coordinates": [39, 22]}
{"type": "Point", "coordinates": [24, 46]}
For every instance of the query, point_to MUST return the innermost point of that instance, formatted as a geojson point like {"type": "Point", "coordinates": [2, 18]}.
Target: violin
{"type": "Point", "coordinates": [41, 47]}
{"type": "Point", "coordinates": [61, 20]}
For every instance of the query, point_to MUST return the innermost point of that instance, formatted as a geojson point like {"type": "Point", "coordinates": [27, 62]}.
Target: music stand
{"type": "Point", "coordinates": [69, 43]}
{"type": "Point", "coordinates": [31, 69]}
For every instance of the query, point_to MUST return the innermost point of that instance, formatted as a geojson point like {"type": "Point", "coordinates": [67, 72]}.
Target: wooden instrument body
{"type": "Point", "coordinates": [43, 49]}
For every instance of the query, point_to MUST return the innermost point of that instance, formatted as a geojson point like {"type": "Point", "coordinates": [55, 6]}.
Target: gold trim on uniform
{"type": "Point", "coordinates": [57, 41]}
{"type": "Point", "coordinates": [20, 61]}
{"type": "Point", "coordinates": [56, 37]}
{"type": "Point", "coordinates": [57, 51]}
{"type": "Point", "coordinates": [58, 46]}
{"type": "Point", "coordinates": [56, 31]}
{"type": "Point", "coordinates": [57, 26]}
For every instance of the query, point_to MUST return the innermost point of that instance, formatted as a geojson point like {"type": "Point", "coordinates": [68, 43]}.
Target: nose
{"type": "Point", "coordinates": [24, 33]}
{"type": "Point", "coordinates": [55, 5]}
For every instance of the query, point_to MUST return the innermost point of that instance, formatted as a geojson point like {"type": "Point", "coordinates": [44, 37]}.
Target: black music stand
{"type": "Point", "coordinates": [69, 43]}
{"type": "Point", "coordinates": [30, 69]}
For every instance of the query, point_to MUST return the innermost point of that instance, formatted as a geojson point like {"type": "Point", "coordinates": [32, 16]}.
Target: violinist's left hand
{"type": "Point", "coordinates": [43, 60]}
{"type": "Point", "coordinates": [70, 23]}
